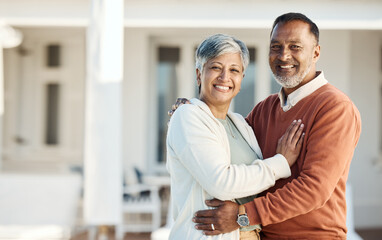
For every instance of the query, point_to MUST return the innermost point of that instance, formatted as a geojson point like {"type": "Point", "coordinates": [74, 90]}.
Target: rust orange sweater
{"type": "Point", "coordinates": [311, 203]}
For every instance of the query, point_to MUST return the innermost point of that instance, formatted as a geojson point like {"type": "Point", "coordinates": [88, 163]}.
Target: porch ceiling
{"type": "Point", "coordinates": [329, 14]}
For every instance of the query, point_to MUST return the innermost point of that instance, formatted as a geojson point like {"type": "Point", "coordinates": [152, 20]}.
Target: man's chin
{"type": "Point", "coordinates": [287, 82]}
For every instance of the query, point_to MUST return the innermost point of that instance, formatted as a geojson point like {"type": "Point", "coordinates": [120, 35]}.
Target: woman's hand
{"type": "Point", "coordinates": [289, 145]}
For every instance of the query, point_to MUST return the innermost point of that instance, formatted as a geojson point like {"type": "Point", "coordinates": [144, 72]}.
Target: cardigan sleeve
{"type": "Point", "coordinates": [329, 148]}
{"type": "Point", "coordinates": [196, 142]}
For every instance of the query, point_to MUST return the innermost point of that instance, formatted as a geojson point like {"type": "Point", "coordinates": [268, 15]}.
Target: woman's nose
{"type": "Point", "coordinates": [224, 75]}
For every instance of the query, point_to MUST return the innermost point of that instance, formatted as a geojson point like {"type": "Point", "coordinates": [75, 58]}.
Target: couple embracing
{"type": "Point", "coordinates": [281, 172]}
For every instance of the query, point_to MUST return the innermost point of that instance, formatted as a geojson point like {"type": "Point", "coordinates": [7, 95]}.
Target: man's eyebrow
{"type": "Point", "coordinates": [291, 41]}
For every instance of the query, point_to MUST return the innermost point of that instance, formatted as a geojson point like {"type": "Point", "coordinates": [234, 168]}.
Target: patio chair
{"type": "Point", "coordinates": [139, 200]}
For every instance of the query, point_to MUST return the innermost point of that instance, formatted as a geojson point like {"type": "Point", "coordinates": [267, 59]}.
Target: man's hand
{"type": "Point", "coordinates": [223, 217]}
{"type": "Point", "coordinates": [179, 102]}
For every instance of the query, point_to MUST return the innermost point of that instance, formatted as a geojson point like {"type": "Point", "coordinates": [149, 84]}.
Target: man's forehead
{"type": "Point", "coordinates": [291, 26]}
{"type": "Point", "coordinates": [293, 31]}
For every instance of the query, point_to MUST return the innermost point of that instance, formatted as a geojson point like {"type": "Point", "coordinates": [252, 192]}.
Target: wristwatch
{"type": "Point", "coordinates": [242, 218]}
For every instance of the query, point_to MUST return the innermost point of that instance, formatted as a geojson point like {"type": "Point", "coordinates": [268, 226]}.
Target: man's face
{"type": "Point", "coordinates": [293, 54]}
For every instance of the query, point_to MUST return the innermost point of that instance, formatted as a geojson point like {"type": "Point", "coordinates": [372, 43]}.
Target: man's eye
{"type": "Point", "coordinates": [275, 47]}
{"type": "Point", "coordinates": [215, 67]}
{"type": "Point", "coordinates": [235, 70]}
{"type": "Point", "coordinates": [295, 47]}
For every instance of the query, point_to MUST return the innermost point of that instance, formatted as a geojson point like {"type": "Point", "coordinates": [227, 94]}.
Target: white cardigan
{"type": "Point", "coordinates": [198, 160]}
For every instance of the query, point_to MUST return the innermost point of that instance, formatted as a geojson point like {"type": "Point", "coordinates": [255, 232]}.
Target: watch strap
{"type": "Point", "coordinates": [241, 210]}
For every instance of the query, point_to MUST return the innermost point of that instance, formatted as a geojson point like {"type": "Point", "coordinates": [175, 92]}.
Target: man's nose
{"type": "Point", "coordinates": [284, 54]}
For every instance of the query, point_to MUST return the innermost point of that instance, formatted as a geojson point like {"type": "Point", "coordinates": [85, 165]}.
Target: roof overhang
{"type": "Point", "coordinates": [328, 14]}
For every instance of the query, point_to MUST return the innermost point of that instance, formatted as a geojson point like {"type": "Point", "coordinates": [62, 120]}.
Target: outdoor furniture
{"type": "Point", "coordinates": [140, 199]}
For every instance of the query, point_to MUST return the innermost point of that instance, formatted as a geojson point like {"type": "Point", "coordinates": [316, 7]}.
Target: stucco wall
{"type": "Point", "coordinates": [366, 169]}
{"type": "Point", "coordinates": [351, 61]}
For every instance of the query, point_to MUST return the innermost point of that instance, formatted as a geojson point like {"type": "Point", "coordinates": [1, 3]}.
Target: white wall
{"type": "Point", "coordinates": [136, 99]}
{"type": "Point", "coordinates": [366, 170]}
{"type": "Point", "coordinates": [351, 61]}
{"type": "Point", "coordinates": [335, 57]}
{"type": "Point", "coordinates": [26, 76]}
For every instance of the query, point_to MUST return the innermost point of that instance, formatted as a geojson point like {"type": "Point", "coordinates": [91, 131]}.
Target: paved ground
{"type": "Point", "coordinates": [128, 236]}
{"type": "Point", "coordinates": [366, 234]}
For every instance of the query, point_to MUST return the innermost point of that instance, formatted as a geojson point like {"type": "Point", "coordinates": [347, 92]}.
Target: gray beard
{"type": "Point", "coordinates": [293, 81]}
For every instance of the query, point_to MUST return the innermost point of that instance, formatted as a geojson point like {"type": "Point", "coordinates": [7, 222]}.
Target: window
{"type": "Point", "coordinates": [52, 110]}
{"type": "Point", "coordinates": [244, 101]}
{"type": "Point", "coordinates": [167, 64]}
{"type": "Point", "coordinates": [53, 55]}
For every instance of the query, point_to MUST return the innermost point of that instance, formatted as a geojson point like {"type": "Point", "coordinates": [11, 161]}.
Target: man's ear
{"type": "Point", "coordinates": [316, 53]}
{"type": "Point", "coordinates": [198, 77]}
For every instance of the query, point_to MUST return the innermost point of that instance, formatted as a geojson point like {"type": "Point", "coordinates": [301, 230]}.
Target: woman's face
{"type": "Point", "coordinates": [220, 79]}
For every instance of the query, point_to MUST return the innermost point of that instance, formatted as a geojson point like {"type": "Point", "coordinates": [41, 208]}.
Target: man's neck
{"type": "Point", "coordinates": [288, 91]}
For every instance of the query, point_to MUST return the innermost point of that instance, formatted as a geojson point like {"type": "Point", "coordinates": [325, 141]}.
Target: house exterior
{"type": "Point", "coordinates": [44, 77]}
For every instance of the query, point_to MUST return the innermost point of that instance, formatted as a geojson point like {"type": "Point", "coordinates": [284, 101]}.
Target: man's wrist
{"type": "Point", "coordinates": [252, 213]}
{"type": "Point", "coordinates": [242, 218]}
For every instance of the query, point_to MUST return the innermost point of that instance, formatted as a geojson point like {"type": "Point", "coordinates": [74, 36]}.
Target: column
{"type": "Point", "coordinates": [9, 38]}
{"type": "Point", "coordinates": [1, 101]}
{"type": "Point", "coordinates": [103, 115]}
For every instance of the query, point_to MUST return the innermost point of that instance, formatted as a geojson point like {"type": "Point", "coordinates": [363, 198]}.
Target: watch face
{"type": "Point", "coordinates": [243, 220]}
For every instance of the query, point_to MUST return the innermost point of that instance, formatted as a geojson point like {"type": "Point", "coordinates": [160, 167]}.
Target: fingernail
{"type": "Point", "coordinates": [193, 219]}
{"type": "Point", "coordinates": [299, 120]}
{"type": "Point", "coordinates": [302, 125]}
{"type": "Point", "coordinates": [294, 121]}
{"type": "Point", "coordinates": [207, 201]}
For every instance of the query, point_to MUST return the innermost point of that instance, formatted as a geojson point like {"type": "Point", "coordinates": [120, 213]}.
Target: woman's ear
{"type": "Point", "coordinates": [198, 77]}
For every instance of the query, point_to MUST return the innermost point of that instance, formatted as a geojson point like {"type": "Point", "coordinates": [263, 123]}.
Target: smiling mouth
{"type": "Point", "coordinates": [224, 88]}
{"type": "Point", "coordinates": [286, 66]}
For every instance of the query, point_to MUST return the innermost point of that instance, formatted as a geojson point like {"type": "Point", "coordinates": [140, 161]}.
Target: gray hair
{"type": "Point", "coordinates": [217, 45]}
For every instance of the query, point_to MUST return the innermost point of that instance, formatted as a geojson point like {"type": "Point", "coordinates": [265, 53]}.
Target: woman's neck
{"type": "Point", "coordinates": [219, 111]}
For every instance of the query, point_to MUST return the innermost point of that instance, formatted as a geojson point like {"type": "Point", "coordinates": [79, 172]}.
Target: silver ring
{"type": "Point", "coordinates": [213, 227]}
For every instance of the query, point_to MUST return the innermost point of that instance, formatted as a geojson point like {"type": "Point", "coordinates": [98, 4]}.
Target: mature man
{"type": "Point", "coordinates": [311, 203]}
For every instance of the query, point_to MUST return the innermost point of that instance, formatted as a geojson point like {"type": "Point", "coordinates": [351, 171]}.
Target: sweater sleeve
{"type": "Point", "coordinates": [329, 148]}
{"type": "Point", "coordinates": [196, 143]}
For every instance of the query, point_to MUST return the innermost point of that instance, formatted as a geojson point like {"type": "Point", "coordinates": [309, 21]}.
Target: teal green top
{"type": "Point", "coordinates": [241, 153]}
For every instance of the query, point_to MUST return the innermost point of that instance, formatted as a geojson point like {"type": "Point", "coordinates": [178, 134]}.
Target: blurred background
{"type": "Point", "coordinates": [74, 71]}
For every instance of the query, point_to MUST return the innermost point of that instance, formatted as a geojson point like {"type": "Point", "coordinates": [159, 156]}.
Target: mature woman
{"type": "Point", "coordinates": [213, 153]}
